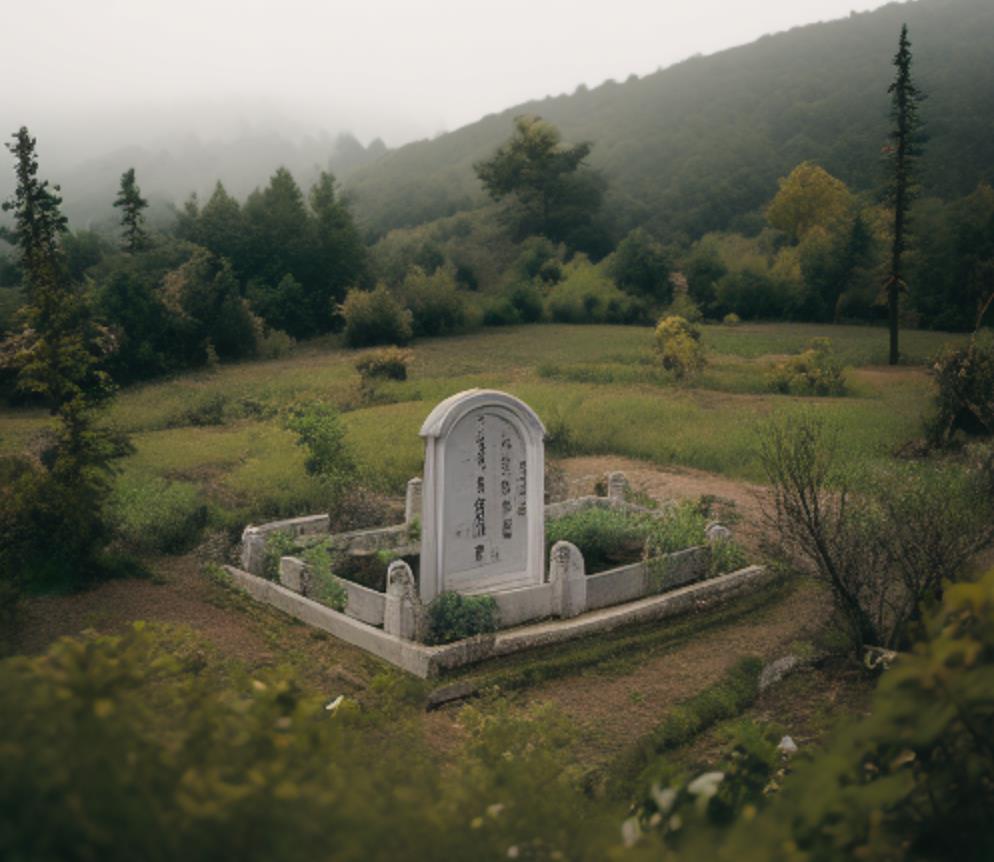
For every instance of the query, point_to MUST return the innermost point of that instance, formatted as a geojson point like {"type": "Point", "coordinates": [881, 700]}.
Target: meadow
{"type": "Point", "coordinates": [216, 438]}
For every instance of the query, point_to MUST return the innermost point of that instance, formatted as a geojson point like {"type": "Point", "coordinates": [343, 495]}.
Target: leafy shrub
{"type": "Point", "coordinates": [678, 343]}
{"type": "Point", "coordinates": [319, 429]}
{"type": "Point", "coordinates": [526, 299]}
{"type": "Point", "coordinates": [275, 344]}
{"type": "Point", "coordinates": [914, 779]}
{"type": "Point", "coordinates": [325, 586]}
{"type": "Point", "coordinates": [453, 617]}
{"type": "Point", "coordinates": [279, 544]}
{"type": "Point", "coordinates": [147, 746]}
{"type": "Point", "coordinates": [611, 537]}
{"type": "Point", "coordinates": [375, 317]}
{"type": "Point", "coordinates": [500, 311]}
{"type": "Point", "coordinates": [153, 514]}
{"type": "Point", "coordinates": [684, 306]}
{"type": "Point", "coordinates": [436, 305]}
{"type": "Point", "coordinates": [388, 363]}
{"type": "Point", "coordinates": [727, 556]}
{"type": "Point", "coordinates": [207, 411]}
{"type": "Point", "coordinates": [745, 775]}
{"type": "Point", "coordinates": [588, 295]}
{"type": "Point", "coordinates": [965, 400]}
{"type": "Point", "coordinates": [816, 371]}
{"type": "Point", "coordinates": [731, 319]}
{"type": "Point", "coordinates": [756, 292]}
{"type": "Point", "coordinates": [640, 265]}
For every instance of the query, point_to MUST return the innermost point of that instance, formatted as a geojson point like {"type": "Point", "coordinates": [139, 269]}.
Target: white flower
{"type": "Point", "coordinates": [706, 785]}
{"type": "Point", "coordinates": [630, 831]}
{"type": "Point", "coordinates": [787, 746]}
{"type": "Point", "coordinates": [664, 799]}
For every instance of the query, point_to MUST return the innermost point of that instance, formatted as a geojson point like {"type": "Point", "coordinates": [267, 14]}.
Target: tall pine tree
{"type": "Point", "coordinates": [903, 151]}
{"type": "Point", "coordinates": [131, 203]}
{"type": "Point", "coordinates": [58, 356]}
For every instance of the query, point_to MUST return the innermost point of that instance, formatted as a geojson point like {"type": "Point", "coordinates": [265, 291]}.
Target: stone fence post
{"type": "Point", "coordinates": [412, 501]}
{"type": "Point", "coordinates": [403, 615]}
{"type": "Point", "coordinates": [568, 579]}
{"type": "Point", "coordinates": [617, 486]}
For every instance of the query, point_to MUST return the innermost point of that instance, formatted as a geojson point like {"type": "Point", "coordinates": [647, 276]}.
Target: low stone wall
{"type": "Point", "coordinates": [627, 583]}
{"type": "Point", "coordinates": [254, 538]}
{"type": "Point", "coordinates": [568, 592]}
{"type": "Point", "coordinates": [425, 661]}
{"type": "Point", "coordinates": [363, 603]}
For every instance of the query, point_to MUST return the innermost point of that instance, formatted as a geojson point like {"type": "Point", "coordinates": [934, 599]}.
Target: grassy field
{"type": "Point", "coordinates": [597, 388]}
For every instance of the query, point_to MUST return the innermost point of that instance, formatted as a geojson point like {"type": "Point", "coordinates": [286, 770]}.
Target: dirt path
{"type": "Point", "coordinates": [180, 593]}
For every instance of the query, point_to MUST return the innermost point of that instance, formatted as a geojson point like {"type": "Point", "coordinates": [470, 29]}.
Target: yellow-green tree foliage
{"type": "Point", "coordinates": [810, 197]}
{"type": "Point", "coordinates": [678, 343]}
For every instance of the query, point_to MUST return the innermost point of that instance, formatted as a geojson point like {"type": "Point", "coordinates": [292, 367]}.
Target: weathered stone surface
{"type": "Point", "coordinates": [617, 485]}
{"type": "Point", "coordinates": [403, 614]}
{"type": "Point", "coordinates": [407, 655]}
{"type": "Point", "coordinates": [482, 513]}
{"type": "Point", "coordinates": [293, 574]}
{"type": "Point", "coordinates": [568, 579]}
{"type": "Point", "coordinates": [254, 537]}
{"type": "Point", "coordinates": [412, 501]}
{"type": "Point", "coordinates": [426, 661]}
{"type": "Point", "coordinates": [718, 533]}
{"type": "Point", "coordinates": [524, 604]}
{"type": "Point", "coordinates": [638, 580]}
{"type": "Point", "coordinates": [364, 604]}
{"type": "Point", "coordinates": [776, 670]}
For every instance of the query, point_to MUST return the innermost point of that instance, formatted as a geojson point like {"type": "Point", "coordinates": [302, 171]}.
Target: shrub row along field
{"type": "Point", "coordinates": [218, 439]}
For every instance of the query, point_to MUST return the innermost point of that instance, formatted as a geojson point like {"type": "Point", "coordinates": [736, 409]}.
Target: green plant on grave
{"type": "Point", "coordinates": [279, 544]}
{"type": "Point", "coordinates": [453, 617]}
{"type": "Point", "coordinates": [325, 587]}
{"type": "Point", "coordinates": [726, 556]}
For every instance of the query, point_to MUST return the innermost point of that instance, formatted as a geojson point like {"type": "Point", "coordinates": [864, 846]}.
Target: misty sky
{"type": "Point", "coordinates": [86, 75]}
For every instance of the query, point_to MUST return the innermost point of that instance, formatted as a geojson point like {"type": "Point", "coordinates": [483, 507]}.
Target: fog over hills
{"type": "Point", "coordinates": [700, 145]}
{"type": "Point", "coordinates": [685, 149]}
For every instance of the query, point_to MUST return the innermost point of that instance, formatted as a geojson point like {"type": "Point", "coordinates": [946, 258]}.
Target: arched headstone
{"type": "Point", "coordinates": [482, 524]}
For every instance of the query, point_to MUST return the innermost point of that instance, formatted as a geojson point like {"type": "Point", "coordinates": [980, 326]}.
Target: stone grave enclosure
{"type": "Point", "coordinates": [476, 525]}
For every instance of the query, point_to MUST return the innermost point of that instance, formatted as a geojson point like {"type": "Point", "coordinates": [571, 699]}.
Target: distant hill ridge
{"type": "Point", "coordinates": [700, 145]}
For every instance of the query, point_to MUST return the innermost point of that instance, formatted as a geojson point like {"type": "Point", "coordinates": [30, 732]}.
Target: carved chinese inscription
{"type": "Point", "coordinates": [485, 493]}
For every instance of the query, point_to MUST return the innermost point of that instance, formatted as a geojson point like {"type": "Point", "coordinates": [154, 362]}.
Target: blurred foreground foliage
{"type": "Point", "coordinates": [147, 745]}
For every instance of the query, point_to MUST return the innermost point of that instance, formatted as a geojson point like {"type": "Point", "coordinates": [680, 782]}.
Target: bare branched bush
{"type": "Point", "coordinates": [822, 527]}
{"type": "Point", "coordinates": [885, 551]}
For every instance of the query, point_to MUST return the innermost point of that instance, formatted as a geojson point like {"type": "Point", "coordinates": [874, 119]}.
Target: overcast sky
{"type": "Point", "coordinates": [134, 70]}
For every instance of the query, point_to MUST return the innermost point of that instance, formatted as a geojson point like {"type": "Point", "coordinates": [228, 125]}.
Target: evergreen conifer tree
{"type": "Point", "coordinates": [131, 202]}
{"type": "Point", "coordinates": [58, 356]}
{"type": "Point", "coordinates": [905, 147]}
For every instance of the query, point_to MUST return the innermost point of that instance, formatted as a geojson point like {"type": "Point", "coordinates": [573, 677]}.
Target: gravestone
{"type": "Point", "coordinates": [482, 524]}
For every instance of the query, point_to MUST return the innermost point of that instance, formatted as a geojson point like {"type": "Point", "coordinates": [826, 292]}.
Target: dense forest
{"type": "Point", "coordinates": [699, 146]}
{"type": "Point", "coordinates": [752, 184]}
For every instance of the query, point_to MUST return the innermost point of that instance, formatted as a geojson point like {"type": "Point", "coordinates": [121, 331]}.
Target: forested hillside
{"type": "Point", "coordinates": [699, 146]}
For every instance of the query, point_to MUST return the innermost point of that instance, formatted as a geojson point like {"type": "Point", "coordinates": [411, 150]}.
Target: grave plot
{"type": "Point", "coordinates": [464, 577]}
